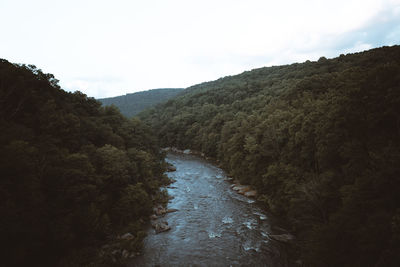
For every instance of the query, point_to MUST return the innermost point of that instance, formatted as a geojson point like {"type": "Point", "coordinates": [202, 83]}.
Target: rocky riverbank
{"type": "Point", "coordinates": [245, 190]}
{"type": "Point", "coordinates": [157, 222]}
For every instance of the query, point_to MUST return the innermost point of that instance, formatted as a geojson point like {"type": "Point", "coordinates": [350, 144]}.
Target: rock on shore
{"type": "Point", "coordinates": [171, 168]}
{"type": "Point", "coordinates": [161, 226]}
{"type": "Point", "coordinates": [282, 238]}
{"type": "Point", "coordinates": [159, 210]}
{"type": "Point", "coordinates": [251, 193]}
{"type": "Point", "coordinates": [245, 190]}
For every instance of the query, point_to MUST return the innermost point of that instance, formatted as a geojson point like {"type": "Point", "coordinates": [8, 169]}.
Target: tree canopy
{"type": "Point", "coordinates": [72, 172]}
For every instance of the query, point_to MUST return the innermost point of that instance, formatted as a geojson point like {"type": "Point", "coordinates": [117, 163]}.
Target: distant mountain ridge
{"type": "Point", "coordinates": [134, 103]}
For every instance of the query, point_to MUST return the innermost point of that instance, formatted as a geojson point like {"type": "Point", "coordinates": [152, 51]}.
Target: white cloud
{"type": "Point", "coordinates": [177, 43]}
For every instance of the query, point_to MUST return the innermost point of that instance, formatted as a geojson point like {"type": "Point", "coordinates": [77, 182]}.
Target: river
{"type": "Point", "coordinates": [214, 225]}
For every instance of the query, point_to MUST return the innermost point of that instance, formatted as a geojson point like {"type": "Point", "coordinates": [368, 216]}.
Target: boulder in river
{"type": "Point", "coordinates": [171, 210]}
{"type": "Point", "coordinates": [186, 151]}
{"type": "Point", "coordinates": [161, 226]}
{"type": "Point", "coordinates": [171, 187]}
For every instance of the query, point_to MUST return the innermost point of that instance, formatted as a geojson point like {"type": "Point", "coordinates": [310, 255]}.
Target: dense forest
{"type": "Point", "coordinates": [74, 175]}
{"type": "Point", "coordinates": [319, 140]}
{"type": "Point", "coordinates": [132, 104]}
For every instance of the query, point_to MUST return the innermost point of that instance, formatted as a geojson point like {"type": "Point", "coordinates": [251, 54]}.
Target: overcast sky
{"type": "Point", "coordinates": [114, 47]}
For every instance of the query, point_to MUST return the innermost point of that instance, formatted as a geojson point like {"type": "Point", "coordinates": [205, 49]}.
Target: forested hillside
{"type": "Point", "coordinates": [73, 174]}
{"type": "Point", "coordinates": [132, 104]}
{"type": "Point", "coordinates": [319, 140]}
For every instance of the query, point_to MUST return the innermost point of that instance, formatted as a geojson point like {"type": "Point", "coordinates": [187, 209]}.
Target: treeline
{"type": "Point", "coordinates": [132, 104]}
{"type": "Point", "coordinates": [320, 141]}
{"type": "Point", "coordinates": [73, 173]}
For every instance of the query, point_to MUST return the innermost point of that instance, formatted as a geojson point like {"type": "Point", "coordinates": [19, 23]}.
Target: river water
{"type": "Point", "coordinates": [215, 226]}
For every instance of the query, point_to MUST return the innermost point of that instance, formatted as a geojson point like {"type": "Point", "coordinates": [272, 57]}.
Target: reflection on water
{"type": "Point", "coordinates": [214, 225]}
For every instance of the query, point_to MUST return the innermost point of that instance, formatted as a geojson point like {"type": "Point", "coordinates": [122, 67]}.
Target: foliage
{"type": "Point", "coordinates": [319, 140]}
{"type": "Point", "coordinates": [73, 173]}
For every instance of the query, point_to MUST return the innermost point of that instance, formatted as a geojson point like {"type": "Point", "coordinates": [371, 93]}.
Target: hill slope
{"type": "Point", "coordinates": [73, 173]}
{"type": "Point", "coordinates": [132, 104]}
{"type": "Point", "coordinates": [319, 140]}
